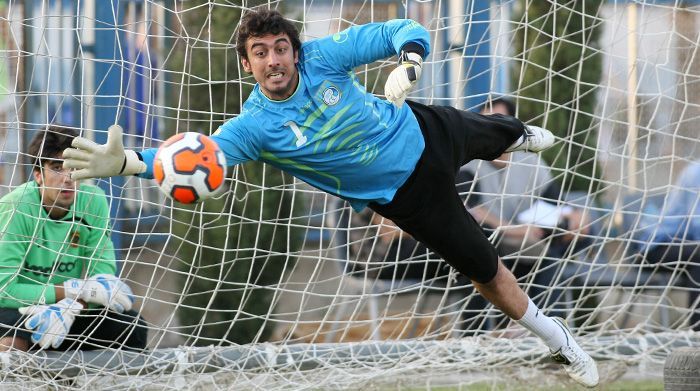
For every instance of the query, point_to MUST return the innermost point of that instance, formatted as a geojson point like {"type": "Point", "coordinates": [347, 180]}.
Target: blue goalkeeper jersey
{"type": "Point", "coordinates": [332, 133]}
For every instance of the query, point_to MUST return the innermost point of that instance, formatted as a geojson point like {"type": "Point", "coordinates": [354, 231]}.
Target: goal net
{"type": "Point", "coordinates": [276, 285]}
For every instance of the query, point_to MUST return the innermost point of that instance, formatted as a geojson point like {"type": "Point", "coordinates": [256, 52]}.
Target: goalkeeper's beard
{"type": "Point", "coordinates": [278, 89]}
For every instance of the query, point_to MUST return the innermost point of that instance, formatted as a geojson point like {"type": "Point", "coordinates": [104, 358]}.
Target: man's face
{"type": "Point", "coordinates": [272, 61]}
{"type": "Point", "coordinates": [498, 108]}
{"type": "Point", "coordinates": [56, 187]}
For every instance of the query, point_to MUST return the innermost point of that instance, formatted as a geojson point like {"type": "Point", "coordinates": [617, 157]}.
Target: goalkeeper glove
{"type": "Point", "coordinates": [93, 160]}
{"type": "Point", "coordinates": [51, 323]}
{"type": "Point", "coordinates": [102, 289]}
{"type": "Point", "coordinates": [402, 79]}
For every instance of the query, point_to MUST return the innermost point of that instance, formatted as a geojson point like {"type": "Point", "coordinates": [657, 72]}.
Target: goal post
{"type": "Point", "coordinates": [277, 285]}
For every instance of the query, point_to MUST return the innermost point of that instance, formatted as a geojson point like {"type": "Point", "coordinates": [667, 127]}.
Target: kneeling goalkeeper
{"type": "Point", "coordinates": [52, 231]}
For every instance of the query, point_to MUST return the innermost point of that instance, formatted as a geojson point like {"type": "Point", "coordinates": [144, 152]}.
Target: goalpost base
{"type": "Point", "coordinates": [462, 361]}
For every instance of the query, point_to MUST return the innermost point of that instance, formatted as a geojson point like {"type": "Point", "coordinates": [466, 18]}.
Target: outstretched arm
{"type": "Point", "coordinates": [92, 160]}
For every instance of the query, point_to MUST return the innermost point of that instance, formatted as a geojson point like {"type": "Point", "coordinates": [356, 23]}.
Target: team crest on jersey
{"type": "Point", "coordinates": [340, 37]}
{"type": "Point", "coordinates": [331, 95]}
{"type": "Point", "coordinates": [75, 239]}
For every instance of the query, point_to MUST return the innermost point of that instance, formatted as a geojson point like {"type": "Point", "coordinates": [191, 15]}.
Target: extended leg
{"type": "Point", "coordinates": [504, 292]}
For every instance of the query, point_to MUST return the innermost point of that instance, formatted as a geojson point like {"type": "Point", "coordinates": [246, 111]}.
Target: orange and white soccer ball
{"type": "Point", "coordinates": [189, 167]}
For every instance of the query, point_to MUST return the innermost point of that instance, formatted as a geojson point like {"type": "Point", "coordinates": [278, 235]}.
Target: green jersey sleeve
{"type": "Point", "coordinates": [16, 233]}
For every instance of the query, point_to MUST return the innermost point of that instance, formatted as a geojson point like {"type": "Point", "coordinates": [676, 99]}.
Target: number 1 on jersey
{"type": "Point", "coordinates": [301, 139]}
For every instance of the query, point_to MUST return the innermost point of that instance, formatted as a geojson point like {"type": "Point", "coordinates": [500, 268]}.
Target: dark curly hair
{"type": "Point", "coordinates": [499, 100]}
{"type": "Point", "coordinates": [264, 22]}
{"type": "Point", "coordinates": [48, 144]}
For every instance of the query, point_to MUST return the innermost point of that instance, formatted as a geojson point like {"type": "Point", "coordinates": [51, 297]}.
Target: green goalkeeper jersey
{"type": "Point", "coordinates": [37, 252]}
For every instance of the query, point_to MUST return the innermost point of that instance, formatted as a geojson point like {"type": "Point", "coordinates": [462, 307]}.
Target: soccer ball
{"type": "Point", "coordinates": [189, 167]}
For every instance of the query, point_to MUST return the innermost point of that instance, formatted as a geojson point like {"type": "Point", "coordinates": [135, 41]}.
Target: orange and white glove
{"type": "Point", "coordinates": [402, 79]}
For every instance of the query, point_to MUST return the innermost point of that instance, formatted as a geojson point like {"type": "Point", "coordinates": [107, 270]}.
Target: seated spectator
{"type": "Point", "coordinates": [379, 250]}
{"type": "Point", "coordinates": [505, 188]}
{"type": "Point", "coordinates": [53, 231]}
{"type": "Point", "coordinates": [676, 237]}
{"type": "Point", "coordinates": [388, 252]}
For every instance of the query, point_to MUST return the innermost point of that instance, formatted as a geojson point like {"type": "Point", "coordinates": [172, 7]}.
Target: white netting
{"type": "Point", "coordinates": [276, 285]}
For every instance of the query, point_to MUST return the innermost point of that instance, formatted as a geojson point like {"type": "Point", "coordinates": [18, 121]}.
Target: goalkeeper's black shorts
{"type": "Point", "coordinates": [428, 206]}
{"type": "Point", "coordinates": [92, 329]}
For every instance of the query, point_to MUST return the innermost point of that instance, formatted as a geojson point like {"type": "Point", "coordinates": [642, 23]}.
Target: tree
{"type": "Point", "coordinates": [556, 75]}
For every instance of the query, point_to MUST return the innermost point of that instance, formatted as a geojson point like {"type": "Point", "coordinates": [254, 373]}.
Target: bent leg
{"type": "Point", "coordinates": [461, 136]}
{"type": "Point", "coordinates": [95, 329]}
{"type": "Point", "coordinates": [504, 292]}
{"type": "Point", "coordinates": [13, 335]}
{"type": "Point", "coordinates": [10, 343]}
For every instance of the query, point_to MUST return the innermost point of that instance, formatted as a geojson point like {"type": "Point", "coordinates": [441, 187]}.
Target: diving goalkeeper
{"type": "Point", "coordinates": [309, 115]}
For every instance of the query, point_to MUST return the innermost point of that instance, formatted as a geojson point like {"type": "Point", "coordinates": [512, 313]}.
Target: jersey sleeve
{"type": "Point", "coordinates": [16, 231]}
{"type": "Point", "coordinates": [237, 140]}
{"type": "Point", "coordinates": [236, 144]}
{"type": "Point", "coordinates": [148, 155]}
{"type": "Point", "coordinates": [99, 248]}
{"type": "Point", "coordinates": [364, 44]}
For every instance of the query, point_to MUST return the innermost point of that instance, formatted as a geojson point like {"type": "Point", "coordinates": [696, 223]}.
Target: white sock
{"type": "Point", "coordinates": [543, 326]}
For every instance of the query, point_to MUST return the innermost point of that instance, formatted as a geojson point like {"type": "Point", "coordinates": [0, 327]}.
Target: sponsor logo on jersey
{"type": "Point", "coordinates": [331, 95]}
{"type": "Point", "coordinates": [63, 267]}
